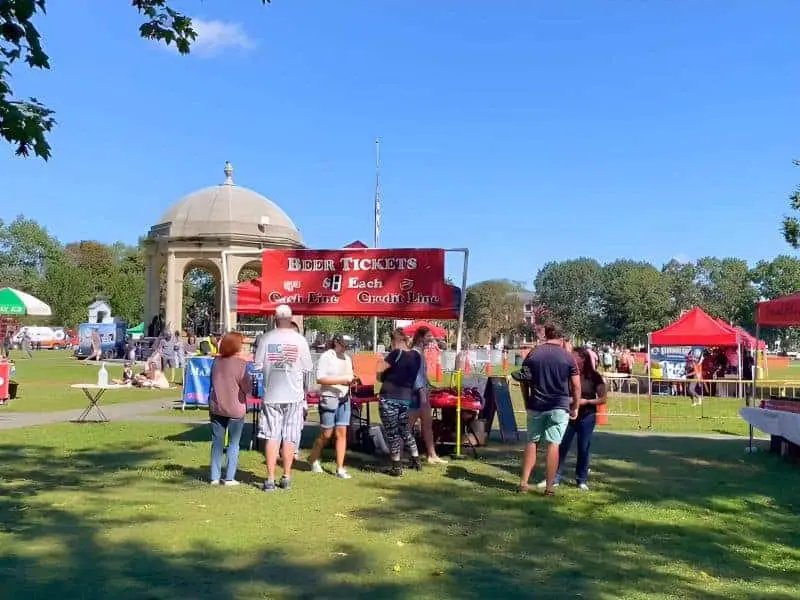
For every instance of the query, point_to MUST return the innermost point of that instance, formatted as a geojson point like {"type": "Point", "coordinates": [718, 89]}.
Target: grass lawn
{"type": "Point", "coordinates": [45, 379]}
{"type": "Point", "coordinates": [121, 511]}
{"type": "Point", "coordinates": [670, 414]}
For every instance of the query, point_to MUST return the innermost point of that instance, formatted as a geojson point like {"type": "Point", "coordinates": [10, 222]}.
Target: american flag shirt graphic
{"type": "Point", "coordinates": [282, 356]}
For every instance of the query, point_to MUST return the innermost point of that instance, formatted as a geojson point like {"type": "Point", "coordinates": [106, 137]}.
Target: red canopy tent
{"type": "Point", "coordinates": [399, 283]}
{"type": "Point", "coordinates": [246, 297]}
{"type": "Point", "coordinates": [438, 332]}
{"type": "Point", "coordinates": [696, 328]}
{"type": "Point", "coordinates": [747, 339]}
{"type": "Point", "coordinates": [750, 341]}
{"type": "Point", "coordinates": [783, 311]}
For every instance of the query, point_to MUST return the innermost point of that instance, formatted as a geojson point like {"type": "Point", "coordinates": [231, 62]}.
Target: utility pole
{"type": "Point", "coordinates": [377, 226]}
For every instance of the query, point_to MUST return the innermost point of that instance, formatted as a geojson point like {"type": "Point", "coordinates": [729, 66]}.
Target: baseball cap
{"type": "Point", "coordinates": [283, 311]}
{"type": "Point", "coordinates": [338, 338]}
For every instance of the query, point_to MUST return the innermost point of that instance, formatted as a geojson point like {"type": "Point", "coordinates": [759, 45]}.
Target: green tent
{"type": "Point", "coordinates": [138, 330]}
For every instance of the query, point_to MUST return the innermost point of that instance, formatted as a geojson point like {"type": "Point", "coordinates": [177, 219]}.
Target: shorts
{"type": "Point", "coordinates": [339, 417]}
{"type": "Point", "coordinates": [419, 399]}
{"type": "Point", "coordinates": [282, 422]}
{"type": "Point", "coordinates": [170, 362]}
{"type": "Point", "coordinates": [548, 424]}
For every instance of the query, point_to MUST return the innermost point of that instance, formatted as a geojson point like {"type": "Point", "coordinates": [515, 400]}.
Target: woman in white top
{"type": "Point", "coordinates": [334, 374]}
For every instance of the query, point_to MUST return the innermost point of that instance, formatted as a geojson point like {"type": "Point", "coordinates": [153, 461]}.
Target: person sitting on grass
{"type": "Point", "coordinates": [152, 376]}
{"type": "Point", "coordinates": [593, 394]}
{"type": "Point", "coordinates": [334, 374]}
{"type": "Point", "coordinates": [127, 375]}
{"type": "Point", "coordinates": [547, 400]}
{"type": "Point", "coordinates": [230, 385]}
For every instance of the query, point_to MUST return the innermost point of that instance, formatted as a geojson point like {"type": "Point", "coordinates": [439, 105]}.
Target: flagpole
{"type": "Point", "coordinates": [377, 226]}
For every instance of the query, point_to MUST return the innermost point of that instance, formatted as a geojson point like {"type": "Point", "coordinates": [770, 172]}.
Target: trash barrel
{"type": "Point", "coordinates": [5, 379]}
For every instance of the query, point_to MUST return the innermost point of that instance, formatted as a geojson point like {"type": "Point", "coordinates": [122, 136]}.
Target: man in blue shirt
{"type": "Point", "coordinates": [552, 396]}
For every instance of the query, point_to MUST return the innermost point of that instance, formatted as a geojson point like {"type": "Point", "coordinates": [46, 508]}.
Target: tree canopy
{"type": "Point", "coordinates": [25, 123]}
{"type": "Point", "coordinates": [625, 300]}
{"type": "Point", "coordinates": [622, 300]}
{"type": "Point", "coordinates": [571, 292]}
{"type": "Point", "coordinates": [492, 309]}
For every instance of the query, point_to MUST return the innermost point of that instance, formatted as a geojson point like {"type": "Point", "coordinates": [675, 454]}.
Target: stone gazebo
{"type": "Point", "coordinates": [195, 231]}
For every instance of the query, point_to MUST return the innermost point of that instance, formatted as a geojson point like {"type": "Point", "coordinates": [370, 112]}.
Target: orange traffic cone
{"type": "Point", "coordinates": [602, 414]}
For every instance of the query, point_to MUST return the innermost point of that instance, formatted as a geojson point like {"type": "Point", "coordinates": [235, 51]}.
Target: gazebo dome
{"type": "Point", "coordinates": [229, 212]}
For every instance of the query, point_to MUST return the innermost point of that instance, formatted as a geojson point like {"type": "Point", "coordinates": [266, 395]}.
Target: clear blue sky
{"type": "Point", "coordinates": [528, 131]}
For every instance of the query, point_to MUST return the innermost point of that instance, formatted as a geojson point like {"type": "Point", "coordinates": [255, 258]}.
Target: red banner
{"type": "Point", "coordinates": [373, 282]}
{"type": "Point", "coordinates": [783, 311]}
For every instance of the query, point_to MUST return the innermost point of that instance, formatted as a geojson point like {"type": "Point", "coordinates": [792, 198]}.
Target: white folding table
{"type": "Point", "coordinates": [94, 393]}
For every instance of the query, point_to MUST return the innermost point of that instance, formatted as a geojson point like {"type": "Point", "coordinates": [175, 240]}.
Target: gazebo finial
{"type": "Point", "coordinates": [228, 173]}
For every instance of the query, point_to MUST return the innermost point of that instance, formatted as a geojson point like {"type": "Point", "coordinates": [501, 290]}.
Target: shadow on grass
{"type": "Point", "coordinates": [91, 567]}
{"type": "Point", "coordinates": [491, 541]}
{"type": "Point", "coordinates": [610, 544]}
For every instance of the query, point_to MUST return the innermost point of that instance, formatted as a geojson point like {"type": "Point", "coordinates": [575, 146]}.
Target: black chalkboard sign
{"type": "Point", "coordinates": [498, 400]}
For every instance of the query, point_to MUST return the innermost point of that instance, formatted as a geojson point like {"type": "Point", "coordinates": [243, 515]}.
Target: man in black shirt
{"type": "Point", "coordinates": [551, 400]}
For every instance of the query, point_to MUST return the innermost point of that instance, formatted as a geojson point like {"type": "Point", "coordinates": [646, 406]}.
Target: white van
{"type": "Point", "coordinates": [42, 337]}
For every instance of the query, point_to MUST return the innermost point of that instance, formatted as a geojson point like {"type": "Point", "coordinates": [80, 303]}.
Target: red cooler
{"type": "Point", "coordinates": [5, 374]}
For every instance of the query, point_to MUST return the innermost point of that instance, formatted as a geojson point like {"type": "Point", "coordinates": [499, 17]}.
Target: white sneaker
{"type": "Point", "coordinates": [343, 474]}
{"type": "Point", "coordinates": [215, 482]}
{"type": "Point", "coordinates": [543, 484]}
{"type": "Point", "coordinates": [583, 486]}
{"type": "Point", "coordinates": [316, 467]}
{"type": "Point", "coordinates": [436, 460]}
{"type": "Point", "coordinates": [232, 482]}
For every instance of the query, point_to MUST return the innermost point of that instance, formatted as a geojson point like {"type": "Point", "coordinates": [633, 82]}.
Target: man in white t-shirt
{"type": "Point", "coordinates": [284, 357]}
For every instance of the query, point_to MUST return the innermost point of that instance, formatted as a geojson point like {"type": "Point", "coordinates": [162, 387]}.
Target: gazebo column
{"type": "Point", "coordinates": [152, 298]}
{"type": "Point", "coordinates": [174, 302]}
{"type": "Point", "coordinates": [234, 266]}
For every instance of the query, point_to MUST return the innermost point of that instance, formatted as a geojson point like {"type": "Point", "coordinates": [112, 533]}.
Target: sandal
{"type": "Point", "coordinates": [523, 488]}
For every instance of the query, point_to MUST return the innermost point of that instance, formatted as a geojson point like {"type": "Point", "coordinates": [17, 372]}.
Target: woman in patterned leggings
{"type": "Point", "coordinates": [398, 372]}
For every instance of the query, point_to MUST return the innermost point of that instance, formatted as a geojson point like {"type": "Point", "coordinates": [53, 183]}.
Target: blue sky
{"type": "Point", "coordinates": [527, 131]}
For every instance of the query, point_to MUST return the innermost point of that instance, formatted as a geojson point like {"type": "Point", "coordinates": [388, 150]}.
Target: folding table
{"type": "Point", "coordinates": [93, 393]}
